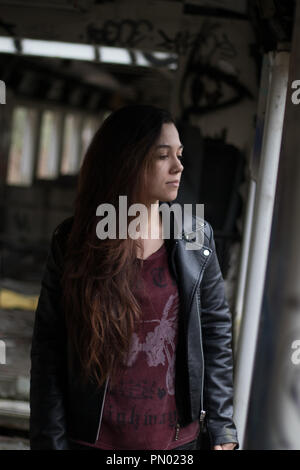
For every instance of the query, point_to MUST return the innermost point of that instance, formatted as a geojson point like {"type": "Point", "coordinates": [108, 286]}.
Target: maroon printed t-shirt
{"type": "Point", "coordinates": [140, 410]}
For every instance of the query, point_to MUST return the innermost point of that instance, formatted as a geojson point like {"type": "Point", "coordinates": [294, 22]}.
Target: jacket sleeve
{"type": "Point", "coordinates": [48, 363]}
{"type": "Point", "coordinates": [217, 350]}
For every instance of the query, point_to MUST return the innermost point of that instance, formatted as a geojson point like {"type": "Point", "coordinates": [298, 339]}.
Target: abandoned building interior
{"type": "Point", "coordinates": [222, 69]}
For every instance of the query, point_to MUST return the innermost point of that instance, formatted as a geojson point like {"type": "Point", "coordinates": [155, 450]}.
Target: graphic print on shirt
{"type": "Point", "coordinates": [159, 345]}
{"type": "Point", "coordinates": [140, 409]}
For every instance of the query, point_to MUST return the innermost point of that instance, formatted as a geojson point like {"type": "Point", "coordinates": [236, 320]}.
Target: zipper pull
{"type": "Point", "coordinates": [177, 431]}
{"type": "Point", "coordinates": [202, 417]}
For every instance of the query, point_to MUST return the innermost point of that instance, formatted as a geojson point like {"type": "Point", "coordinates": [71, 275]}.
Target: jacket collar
{"type": "Point", "coordinates": [189, 227]}
{"type": "Point", "coordinates": [188, 264]}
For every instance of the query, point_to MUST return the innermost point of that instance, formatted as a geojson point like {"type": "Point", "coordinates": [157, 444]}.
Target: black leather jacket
{"type": "Point", "coordinates": [63, 409]}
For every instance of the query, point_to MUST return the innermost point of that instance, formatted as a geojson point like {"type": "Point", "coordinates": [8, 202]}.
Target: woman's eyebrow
{"type": "Point", "coordinates": [168, 146]}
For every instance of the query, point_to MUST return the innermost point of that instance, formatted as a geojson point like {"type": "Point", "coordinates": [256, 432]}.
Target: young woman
{"type": "Point", "coordinates": [132, 338]}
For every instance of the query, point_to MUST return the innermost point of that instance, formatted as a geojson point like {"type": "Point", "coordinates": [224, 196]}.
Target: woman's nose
{"type": "Point", "coordinates": [179, 166]}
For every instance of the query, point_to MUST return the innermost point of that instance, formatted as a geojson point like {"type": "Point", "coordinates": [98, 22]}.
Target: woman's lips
{"type": "Point", "coordinates": [174, 184]}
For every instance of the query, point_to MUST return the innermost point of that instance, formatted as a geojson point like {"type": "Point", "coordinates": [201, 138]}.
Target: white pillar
{"type": "Point", "coordinates": [258, 253]}
{"type": "Point", "coordinates": [275, 422]}
{"type": "Point", "coordinates": [253, 177]}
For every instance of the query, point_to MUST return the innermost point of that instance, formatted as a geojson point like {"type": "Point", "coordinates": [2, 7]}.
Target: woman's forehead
{"type": "Point", "coordinates": [169, 136]}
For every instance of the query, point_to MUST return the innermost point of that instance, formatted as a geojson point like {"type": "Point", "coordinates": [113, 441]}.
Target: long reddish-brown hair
{"type": "Point", "coordinates": [99, 276]}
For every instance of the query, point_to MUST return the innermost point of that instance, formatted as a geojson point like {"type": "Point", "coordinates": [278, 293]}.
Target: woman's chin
{"type": "Point", "coordinates": [168, 199]}
{"type": "Point", "coordinates": [171, 196]}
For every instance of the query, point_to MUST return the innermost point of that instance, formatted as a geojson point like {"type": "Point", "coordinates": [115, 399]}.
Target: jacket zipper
{"type": "Point", "coordinates": [102, 408]}
{"type": "Point", "coordinates": [202, 412]}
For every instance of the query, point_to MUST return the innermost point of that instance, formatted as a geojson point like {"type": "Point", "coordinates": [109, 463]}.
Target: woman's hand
{"type": "Point", "coordinates": [227, 446]}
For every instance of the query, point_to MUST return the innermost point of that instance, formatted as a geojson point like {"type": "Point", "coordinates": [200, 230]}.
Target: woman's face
{"type": "Point", "coordinates": [166, 166]}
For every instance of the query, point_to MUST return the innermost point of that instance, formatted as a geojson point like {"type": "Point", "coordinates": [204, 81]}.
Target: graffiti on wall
{"type": "Point", "coordinates": [133, 33]}
{"type": "Point", "coordinates": [183, 41]}
{"type": "Point", "coordinates": [123, 33]}
{"type": "Point", "coordinates": [211, 77]}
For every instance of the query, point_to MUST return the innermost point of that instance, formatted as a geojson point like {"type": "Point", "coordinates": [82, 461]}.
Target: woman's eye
{"type": "Point", "coordinates": [181, 157]}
